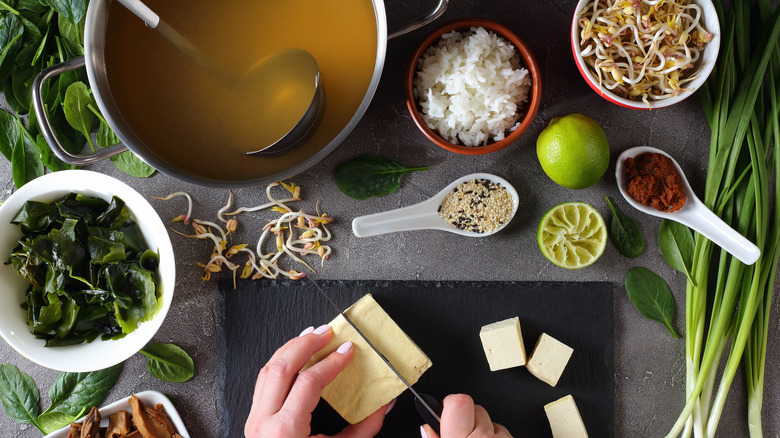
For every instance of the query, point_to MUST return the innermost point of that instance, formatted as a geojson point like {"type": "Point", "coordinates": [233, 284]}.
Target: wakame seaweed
{"type": "Point", "coordinates": [90, 272]}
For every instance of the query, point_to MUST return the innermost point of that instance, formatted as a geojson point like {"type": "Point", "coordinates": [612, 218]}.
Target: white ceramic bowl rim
{"type": "Point", "coordinates": [98, 354]}
{"type": "Point", "coordinates": [708, 58]}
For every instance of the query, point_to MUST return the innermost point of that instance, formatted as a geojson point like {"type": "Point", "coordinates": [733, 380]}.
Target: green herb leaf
{"type": "Point", "coordinates": [169, 362]}
{"type": "Point", "coordinates": [77, 99]}
{"type": "Point", "coordinates": [651, 296]}
{"type": "Point", "coordinates": [624, 233]}
{"type": "Point", "coordinates": [72, 394]}
{"type": "Point", "coordinates": [677, 246]}
{"type": "Point", "coordinates": [19, 395]}
{"type": "Point", "coordinates": [371, 175]}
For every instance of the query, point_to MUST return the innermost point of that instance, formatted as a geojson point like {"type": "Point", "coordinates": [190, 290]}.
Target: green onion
{"type": "Point", "coordinates": [740, 102]}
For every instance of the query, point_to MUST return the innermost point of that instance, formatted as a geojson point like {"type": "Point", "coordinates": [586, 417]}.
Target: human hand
{"type": "Point", "coordinates": [460, 418]}
{"type": "Point", "coordinates": [285, 396]}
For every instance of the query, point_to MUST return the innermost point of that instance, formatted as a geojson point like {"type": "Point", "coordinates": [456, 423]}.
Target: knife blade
{"type": "Point", "coordinates": [418, 398]}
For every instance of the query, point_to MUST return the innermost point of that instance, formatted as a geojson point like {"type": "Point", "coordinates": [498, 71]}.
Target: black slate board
{"type": "Point", "coordinates": [444, 319]}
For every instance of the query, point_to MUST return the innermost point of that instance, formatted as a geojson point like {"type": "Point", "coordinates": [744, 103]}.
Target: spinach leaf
{"type": "Point", "coordinates": [677, 246]}
{"type": "Point", "coordinates": [79, 116]}
{"type": "Point", "coordinates": [127, 161]}
{"type": "Point", "coordinates": [19, 395]}
{"type": "Point", "coordinates": [624, 233]}
{"type": "Point", "coordinates": [168, 362]}
{"type": "Point", "coordinates": [371, 175]}
{"type": "Point", "coordinates": [651, 296]}
{"type": "Point", "coordinates": [73, 393]}
{"type": "Point", "coordinates": [47, 156]}
{"type": "Point", "coordinates": [73, 35]}
{"type": "Point", "coordinates": [130, 164]}
{"type": "Point", "coordinates": [73, 10]}
{"type": "Point", "coordinates": [26, 162]}
{"type": "Point", "coordinates": [10, 133]}
{"type": "Point", "coordinates": [11, 31]}
{"type": "Point", "coordinates": [53, 421]}
{"type": "Point", "coordinates": [105, 135]}
{"type": "Point", "coordinates": [34, 6]}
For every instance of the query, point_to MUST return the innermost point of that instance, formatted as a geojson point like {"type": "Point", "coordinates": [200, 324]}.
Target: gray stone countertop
{"type": "Point", "coordinates": [649, 363]}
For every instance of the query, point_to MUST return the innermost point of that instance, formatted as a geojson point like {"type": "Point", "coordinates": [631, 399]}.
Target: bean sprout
{"type": "Point", "coordinates": [297, 234]}
{"type": "Point", "coordinates": [641, 49]}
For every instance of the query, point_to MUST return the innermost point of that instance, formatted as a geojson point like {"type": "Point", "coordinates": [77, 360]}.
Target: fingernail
{"type": "Point", "coordinates": [423, 433]}
{"type": "Point", "coordinates": [343, 348]}
{"type": "Point", "coordinates": [390, 406]}
{"type": "Point", "coordinates": [321, 330]}
{"type": "Point", "coordinates": [306, 332]}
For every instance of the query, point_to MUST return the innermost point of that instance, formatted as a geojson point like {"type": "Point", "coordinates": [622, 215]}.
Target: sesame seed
{"type": "Point", "coordinates": [478, 205]}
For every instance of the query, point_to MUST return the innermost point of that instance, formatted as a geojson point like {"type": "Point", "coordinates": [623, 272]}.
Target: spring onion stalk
{"type": "Point", "coordinates": [740, 102]}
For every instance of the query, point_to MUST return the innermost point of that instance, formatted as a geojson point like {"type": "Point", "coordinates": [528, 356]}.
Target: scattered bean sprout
{"type": "Point", "coordinates": [642, 49]}
{"type": "Point", "coordinates": [297, 234]}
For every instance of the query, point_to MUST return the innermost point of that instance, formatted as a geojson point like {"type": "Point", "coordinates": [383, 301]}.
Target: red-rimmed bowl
{"type": "Point", "coordinates": [704, 65]}
{"type": "Point", "coordinates": [529, 108]}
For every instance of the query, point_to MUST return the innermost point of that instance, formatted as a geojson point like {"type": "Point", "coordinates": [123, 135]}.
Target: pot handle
{"type": "Point", "coordinates": [419, 21]}
{"type": "Point", "coordinates": [45, 125]}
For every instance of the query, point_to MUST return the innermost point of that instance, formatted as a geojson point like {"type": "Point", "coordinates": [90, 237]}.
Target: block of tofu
{"type": "Point", "coordinates": [503, 344]}
{"type": "Point", "coordinates": [368, 383]}
{"type": "Point", "coordinates": [565, 420]}
{"type": "Point", "coordinates": [549, 359]}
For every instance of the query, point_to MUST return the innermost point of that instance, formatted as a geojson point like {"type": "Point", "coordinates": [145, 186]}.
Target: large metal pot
{"type": "Point", "coordinates": [95, 41]}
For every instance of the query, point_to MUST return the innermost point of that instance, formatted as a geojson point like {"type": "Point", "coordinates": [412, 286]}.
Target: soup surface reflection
{"type": "Point", "coordinates": [200, 125]}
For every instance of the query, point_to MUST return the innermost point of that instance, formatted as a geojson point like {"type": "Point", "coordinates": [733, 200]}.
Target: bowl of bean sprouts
{"type": "Point", "coordinates": [645, 54]}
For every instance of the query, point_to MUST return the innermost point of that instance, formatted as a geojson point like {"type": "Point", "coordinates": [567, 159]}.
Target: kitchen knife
{"type": "Point", "coordinates": [429, 412]}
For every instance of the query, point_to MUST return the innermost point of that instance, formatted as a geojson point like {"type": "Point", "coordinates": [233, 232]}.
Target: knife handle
{"type": "Point", "coordinates": [426, 416]}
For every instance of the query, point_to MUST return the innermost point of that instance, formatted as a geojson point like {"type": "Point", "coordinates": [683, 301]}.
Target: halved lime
{"type": "Point", "coordinates": [572, 235]}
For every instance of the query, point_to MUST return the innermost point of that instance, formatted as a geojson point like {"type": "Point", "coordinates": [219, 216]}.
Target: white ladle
{"type": "Point", "coordinates": [693, 214]}
{"type": "Point", "coordinates": [425, 215]}
{"type": "Point", "coordinates": [300, 73]}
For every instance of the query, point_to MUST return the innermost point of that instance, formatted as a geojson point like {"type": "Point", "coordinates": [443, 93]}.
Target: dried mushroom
{"type": "Point", "coordinates": [90, 428]}
{"type": "Point", "coordinates": [143, 422]}
{"type": "Point", "coordinates": [118, 425]}
{"type": "Point", "coordinates": [147, 420]}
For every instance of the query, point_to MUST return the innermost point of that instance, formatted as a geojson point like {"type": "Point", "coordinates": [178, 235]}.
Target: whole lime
{"type": "Point", "coordinates": [573, 151]}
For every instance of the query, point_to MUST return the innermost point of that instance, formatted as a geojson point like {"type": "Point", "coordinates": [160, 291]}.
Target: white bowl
{"type": "Point", "coordinates": [706, 61]}
{"type": "Point", "coordinates": [149, 398]}
{"type": "Point", "coordinates": [13, 319]}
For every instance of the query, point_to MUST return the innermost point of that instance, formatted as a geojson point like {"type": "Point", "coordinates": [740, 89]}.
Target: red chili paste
{"type": "Point", "coordinates": [653, 180]}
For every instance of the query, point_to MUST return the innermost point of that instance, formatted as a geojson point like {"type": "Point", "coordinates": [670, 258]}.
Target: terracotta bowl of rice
{"type": "Point", "coordinates": [473, 87]}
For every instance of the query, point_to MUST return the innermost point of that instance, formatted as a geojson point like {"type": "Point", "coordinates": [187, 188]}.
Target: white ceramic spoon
{"type": "Point", "coordinates": [425, 215]}
{"type": "Point", "coordinates": [693, 214]}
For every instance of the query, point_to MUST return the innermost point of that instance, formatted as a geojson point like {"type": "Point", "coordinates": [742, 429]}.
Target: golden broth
{"type": "Point", "coordinates": [200, 125]}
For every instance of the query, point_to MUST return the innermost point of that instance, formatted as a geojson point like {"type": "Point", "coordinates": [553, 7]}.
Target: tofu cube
{"type": "Point", "coordinates": [565, 420]}
{"type": "Point", "coordinates": [503, 344]}
{"type": "Point", "coordinates": [368, 383]}
{"type": "Point", "coordinates": [549, 359]}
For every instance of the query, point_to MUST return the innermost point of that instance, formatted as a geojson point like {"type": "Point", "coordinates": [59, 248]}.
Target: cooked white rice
{"type": "Point", "coordinates": [471, 87]}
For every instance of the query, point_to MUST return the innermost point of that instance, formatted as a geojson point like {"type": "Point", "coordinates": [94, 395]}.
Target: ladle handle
{"type": "Point", "coordinates": [712, 227]}
{"type": "Point", "coordinates": [142, 11]}
{"type": "Point", "coordinates": [413, 217]}
{"type": "Point", "coordinates": [419, 21]}
{"type": "Point", "coordinates": [45, 125]}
